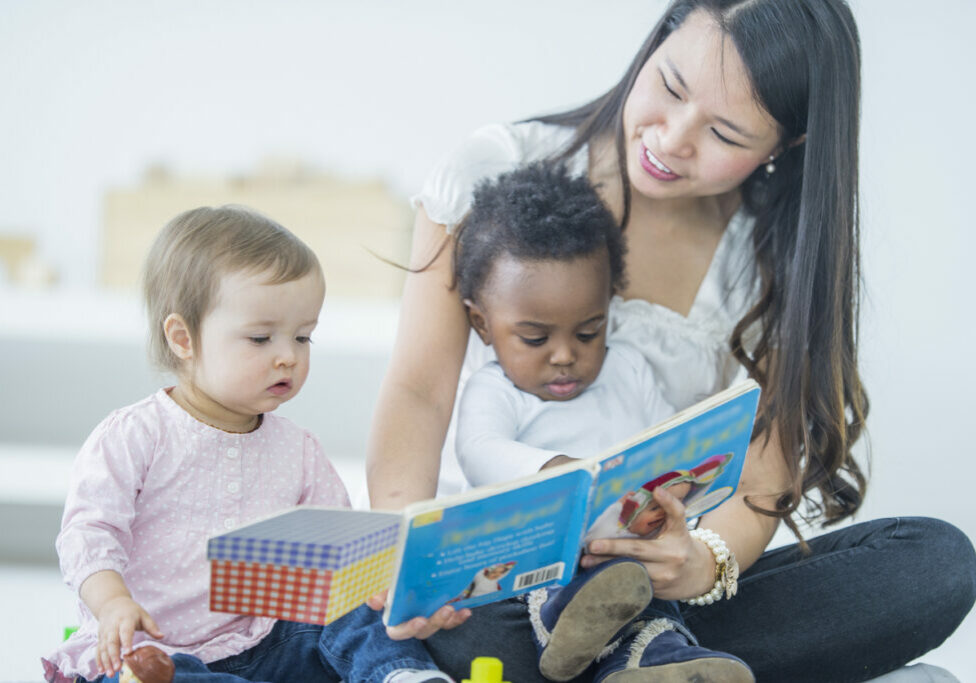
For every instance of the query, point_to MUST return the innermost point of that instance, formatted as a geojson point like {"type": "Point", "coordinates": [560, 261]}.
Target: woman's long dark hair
{"type": "Point", "coordinates": [803, 57]}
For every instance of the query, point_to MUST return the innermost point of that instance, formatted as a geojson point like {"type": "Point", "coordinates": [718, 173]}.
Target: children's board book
{"type": "Point", "coordinates": [314, 564]}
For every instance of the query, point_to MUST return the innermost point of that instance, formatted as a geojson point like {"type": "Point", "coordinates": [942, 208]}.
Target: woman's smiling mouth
{"type": "Point", "coordinates": [654, 166]}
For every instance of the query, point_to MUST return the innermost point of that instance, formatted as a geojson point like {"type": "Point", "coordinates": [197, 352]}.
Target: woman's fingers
{"type": "Point", "coordinates": [589, 560]}
{"type": "Point", "coordinates": [661, 555]}
{"type": "Point", "coordinates": [673, 508]}
{"type": "Point", "coordinates": [458, 617]}
{"type": "Point", "coordinates": [419, 627]}
{"type": "Point", "coordinates": [377, 602]}
{"type": "Point", "coordinates": [637, 548]}
{"type": "Point", "coordinates": [444, 618]}
{"type": "Point", "coordinates": [408, 629]}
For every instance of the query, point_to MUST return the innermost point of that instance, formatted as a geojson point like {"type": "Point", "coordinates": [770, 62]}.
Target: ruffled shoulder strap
{"type": "Point", "coordinates": [490, 150]}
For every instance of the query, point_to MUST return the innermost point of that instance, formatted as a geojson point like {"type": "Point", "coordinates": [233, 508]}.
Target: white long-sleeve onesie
{"type": "Point", "coordinates": [504, 432]}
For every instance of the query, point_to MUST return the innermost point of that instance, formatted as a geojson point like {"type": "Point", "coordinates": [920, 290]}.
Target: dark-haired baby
{"type": "Point", "coordinates": [536, 261]}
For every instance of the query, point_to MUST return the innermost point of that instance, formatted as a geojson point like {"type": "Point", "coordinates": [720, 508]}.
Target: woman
{"type": "Point", "coordinates": [729, 153]}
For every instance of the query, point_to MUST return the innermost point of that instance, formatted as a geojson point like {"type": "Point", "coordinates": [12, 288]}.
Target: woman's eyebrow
{"type": "Point", "coordinates": [735, 128]}
{"type": "Point", "coordinates": [677, 74]}
{"type": "Point", "coordinates": [724, 121]}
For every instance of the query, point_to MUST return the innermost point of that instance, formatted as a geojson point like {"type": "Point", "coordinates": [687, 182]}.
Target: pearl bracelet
{"type": "Point", "coordinates": [726, 568]}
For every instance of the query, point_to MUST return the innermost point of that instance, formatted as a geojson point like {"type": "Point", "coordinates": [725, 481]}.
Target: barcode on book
{"type": "Point", "coordinates": [553, 571]}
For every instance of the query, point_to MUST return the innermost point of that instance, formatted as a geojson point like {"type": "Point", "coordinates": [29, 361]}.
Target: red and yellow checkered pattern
{"type": "Point", "coordinates": [312, 596]}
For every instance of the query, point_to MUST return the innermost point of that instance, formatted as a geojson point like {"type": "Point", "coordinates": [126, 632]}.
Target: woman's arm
{"type": "Point", "coordinates": [416, 399]}
{"type": "Point", "coordinates": [414, 406]}
{"type": "Point", "coordinates": [681, 567]}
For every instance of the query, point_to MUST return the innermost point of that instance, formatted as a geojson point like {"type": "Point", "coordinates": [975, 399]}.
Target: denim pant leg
{"type": "Point", "coordinates": [357, 647]}
{"type": "Point", "coordinates": [868, 599]}
{"type": "Point", "coordinates": [289, 653]}
{"type": "Point", "coordinates": [499, 629]}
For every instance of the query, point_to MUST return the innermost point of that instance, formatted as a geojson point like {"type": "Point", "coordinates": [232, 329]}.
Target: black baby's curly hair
{"type": "Point", "coordinates": [538, 212]}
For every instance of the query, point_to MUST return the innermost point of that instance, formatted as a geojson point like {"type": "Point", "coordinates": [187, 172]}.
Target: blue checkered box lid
{"type": "Point", "coordinates": [309, 537]}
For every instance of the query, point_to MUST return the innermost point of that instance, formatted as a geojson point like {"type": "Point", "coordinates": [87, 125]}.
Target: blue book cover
{"type": "Point", "coordinates": [490, 543]}
{"type": "Point", "coordinates": [496, 542]}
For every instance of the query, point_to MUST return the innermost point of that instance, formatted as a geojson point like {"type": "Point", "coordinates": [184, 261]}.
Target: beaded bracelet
{"type": "Point", "coordinates": [726, 568]}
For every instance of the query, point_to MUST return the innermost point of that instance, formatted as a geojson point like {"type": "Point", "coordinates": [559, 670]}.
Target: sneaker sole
{"type": "Point", "coordinates": [716, 669]}
{"type": "Point", "coordinates": [603, 606]}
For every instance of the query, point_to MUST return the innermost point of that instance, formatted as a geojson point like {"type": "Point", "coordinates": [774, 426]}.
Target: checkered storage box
{"type": "Point", "coordinates": [309, 564]}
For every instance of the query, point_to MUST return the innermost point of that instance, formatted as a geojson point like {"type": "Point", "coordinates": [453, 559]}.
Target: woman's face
{"type": "Point", "coordinates": [691, 125]}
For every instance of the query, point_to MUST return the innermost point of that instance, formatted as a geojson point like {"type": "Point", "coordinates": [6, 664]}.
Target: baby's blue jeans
{"type": "Point", "coordinates": [352, 648]}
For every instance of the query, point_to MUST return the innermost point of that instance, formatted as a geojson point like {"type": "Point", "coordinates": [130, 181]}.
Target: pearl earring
{"type": "Point", "coordinates": [770, 166]}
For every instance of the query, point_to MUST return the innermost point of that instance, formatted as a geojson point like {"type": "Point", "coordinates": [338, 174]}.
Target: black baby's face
{"type": "Point", "coordinates": [547, 321]}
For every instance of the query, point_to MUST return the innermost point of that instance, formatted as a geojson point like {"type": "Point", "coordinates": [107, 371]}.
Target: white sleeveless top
{"type": "Point", "coordinates": [689, 356]}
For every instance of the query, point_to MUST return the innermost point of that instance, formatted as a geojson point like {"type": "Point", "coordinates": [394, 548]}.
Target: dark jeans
{"type": "Point", "coordinates": [354, 648]}
{"type": "Point", "coordinates": [867, 600]}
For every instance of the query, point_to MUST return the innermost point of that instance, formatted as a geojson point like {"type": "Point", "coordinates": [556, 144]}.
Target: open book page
{"type": "Point", "coordinates": [491, 543]}
{"type": "Point", "coordinates": [697, 455]}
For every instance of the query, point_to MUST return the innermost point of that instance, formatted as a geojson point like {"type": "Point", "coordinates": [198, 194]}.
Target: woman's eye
{"type": "Point", "coordinates": [260, 339]}
{"type": "Point", "coordinates": [534, 341]}
{"type": "Point", "coordinates": [725, 139]}
{"type": "Point", "coordinates": [668, 87]}
{"type": "Point", "coordinates": [303, 340]}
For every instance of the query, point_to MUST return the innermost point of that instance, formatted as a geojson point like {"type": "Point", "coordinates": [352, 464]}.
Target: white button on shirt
{"type": "Point", "coordinates": [233, 487]}
{"type": "Point", "coordinates": [232, 453]}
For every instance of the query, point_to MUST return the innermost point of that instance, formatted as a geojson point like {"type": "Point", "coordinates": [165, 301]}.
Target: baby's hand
{"type": "Point", "coordinates": [558, 460]}
{"type": "Point", "coordinates": [118, 620]}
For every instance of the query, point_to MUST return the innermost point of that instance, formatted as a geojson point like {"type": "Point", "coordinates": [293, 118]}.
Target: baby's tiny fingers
{"type": "Point", "coordinates": [150, 627]}
{"type": "Point", "coordinates": [100, 661]}
{"type": "Point", "coordinates": [126, 629]}
{"type": "Point", "coordinates": [113, 648]}
{"type": "Point", "coordinates": [107, 661]}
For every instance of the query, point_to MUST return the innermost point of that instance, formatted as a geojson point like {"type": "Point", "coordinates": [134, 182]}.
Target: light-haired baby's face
{"type": "Point", "coordinates": [253, 350]}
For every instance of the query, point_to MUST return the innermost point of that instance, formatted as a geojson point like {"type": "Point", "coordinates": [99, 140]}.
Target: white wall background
{"type": "Point", "coordinates": [93, 92]}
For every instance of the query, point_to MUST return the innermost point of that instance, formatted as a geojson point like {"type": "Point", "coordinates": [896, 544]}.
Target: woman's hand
{"type": "Point", "coordinates": [419, 627]}
{"type": "Point", "coordinates": [678, 565]}
{"type": "Point", "coordinates": [118, 620]}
